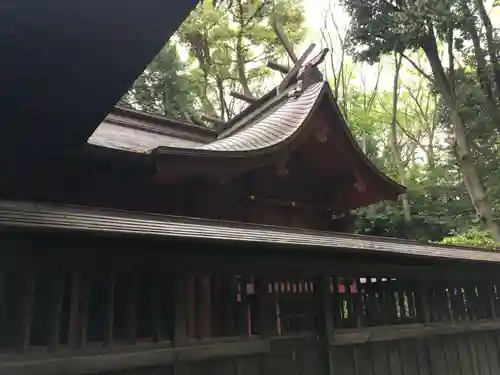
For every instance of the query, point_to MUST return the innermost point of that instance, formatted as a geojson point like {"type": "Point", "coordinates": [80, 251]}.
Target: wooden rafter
{"type": "Point", "coordinates": [213, 120]}
{"type": "Point", "coordinates": [278, 67]}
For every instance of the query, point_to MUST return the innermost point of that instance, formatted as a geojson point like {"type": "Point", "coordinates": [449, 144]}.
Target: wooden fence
{"type": "Point", "coordinates": [87, 322]}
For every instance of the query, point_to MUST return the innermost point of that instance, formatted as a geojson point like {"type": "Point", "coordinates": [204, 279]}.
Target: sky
{"type": "Point", "coordinates": [315, 9]}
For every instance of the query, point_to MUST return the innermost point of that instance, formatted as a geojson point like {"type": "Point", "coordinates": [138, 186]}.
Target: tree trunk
{"type": "Point", "coordinates": [481, 69]}
{"type": "Point", "coordinates": [240, 61]}
{"type": "Point", "coordinates": [394, 137]}
{"type": "Point", "coordinates": [468, 172]}
{"type": "Point", "coordinates": [492, 50]}
{"type": "Point", "coordinates": [220, 89]}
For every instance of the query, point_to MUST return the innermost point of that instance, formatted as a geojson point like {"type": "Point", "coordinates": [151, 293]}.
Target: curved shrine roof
{"type": "Point", "coordinates": [274, 127]}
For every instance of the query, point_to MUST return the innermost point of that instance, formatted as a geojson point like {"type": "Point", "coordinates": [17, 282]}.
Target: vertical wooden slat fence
{"type": "Point", "coordinates": [331, 324]}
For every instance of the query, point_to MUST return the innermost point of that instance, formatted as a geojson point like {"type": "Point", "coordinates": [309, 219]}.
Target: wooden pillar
{"type": "Point", "coordinates": [109, 311]}
{"type": "Point", "coordinates": [132, 311]}
{"type": "Point", "coordinates": [25, 310]}
{"type": "Point", "coordinates": [391, 315]}
{"type": "Point", "coordinates": [84, 311]}
{"type": "Point", "coordinates": [216, 292]}
{"type": "Point", "coordinates": [190, 295]}
{"type": "Point", "coordinates": [3, 304]}
{"type": "Point", "coordinates": [3, 281]}
{"type": "Point", "coordinates": [228, 301]}
{"type": "Point", "coordinates": [359, 306]}
{"type": "Point", "coordinates": [324, 303]}
{"type": "Point", "coordinates": [336, 303]}
{"type": "Point", "coordinates": [54, 323]}
{"type": "Point", "coordinates": [204, 318]}
{"type": "Point", "coordinates": [424, 300]}
{"type": "Point", "coordinates": [74, 308]}
{"type": "Point", "coordinates": [156, 308]}
{"type": "Point", "coordinates": [490, 287]}
{"type": "Point", "coordinates": [242, 318]}
{"type": "Point", "coordinates": [472, 299]}
{"type": "Point", "coordinates": [265, 304]}
{"type": "Point", "coordinates": [184, 285]}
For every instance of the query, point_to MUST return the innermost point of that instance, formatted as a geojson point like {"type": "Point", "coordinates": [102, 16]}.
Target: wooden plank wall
{"type": "Point", "coordinates": [464, 354]}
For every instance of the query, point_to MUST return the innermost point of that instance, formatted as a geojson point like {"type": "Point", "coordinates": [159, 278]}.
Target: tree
{"type": "Point", "coordinates": [396, 152]}
{"type": "Point", "coordinates": [380, 27]}
{"type": "Point", "coordinates": [229, 43]}
{"type": "Point", "coordinates": [474, 238]}
{"type": "Point", "coordinates": [164, 87]}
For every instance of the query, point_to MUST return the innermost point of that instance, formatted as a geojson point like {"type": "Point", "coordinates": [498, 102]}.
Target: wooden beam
{"type": "Point", "coordinates": [248, 99]}
{"type": "Point", "coordinates": [491, 299]}
{"type": "Point", "coordinates": [54, 322]}
{"type": "Point", "coordinates": [217, 301]}
{"type": "Point", "coordinates": [190, 295]}
{"type": "Point", "coordinates": [228, 306]}
{"type": "Point", "coordinates": [197, 121]}
{"type": "Point", "coordinates": [324, 300]}
{"type": "Point", "coordinates": [242, 317]}
{"type": "Point", "coordinates": [424, 300]}
{"type": "Point", "coordinates": [408, 331]}
{"type": "Point", "coordinates": [181, 318]}
{"type": "Point", "coordinates": [319, 58]}
{"type": "Point", "coordinates": [295, 69]}
{"type": "Point", "coordinates": [109, 311]}
{"type": "Point", "coordinates": [26, 311]}
{"type": "Point", "coordinates": [3, 302]}
{"type": "Point", "coordinates": [156, 307]}
{"type": "Point", "coordinates": [131, 325]}
{"type": "Point", "coordinates": [181, 310]}
{"type": "Point", "coordinates": [84, 311]}
{"type": "Point", "coordinates": [278, 67]}
{"type": "Point", "coordinates": [214, 120]}
{"type": "Point", "coordinates": [205, 308]}
{"type": "Point", "coordinates": [74, 308]}
{"type": "Point", "coordinates": [107, 360]}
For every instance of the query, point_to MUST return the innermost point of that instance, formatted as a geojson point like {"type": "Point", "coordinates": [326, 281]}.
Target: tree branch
{"type": "Point", "coordinates": [419, 69]}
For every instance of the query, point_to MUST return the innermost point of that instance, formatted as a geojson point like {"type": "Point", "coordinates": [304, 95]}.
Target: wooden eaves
{"type": "Point", "coordinates": [33, 216]}
{"type": "Point", "coordinates": [65, 65]}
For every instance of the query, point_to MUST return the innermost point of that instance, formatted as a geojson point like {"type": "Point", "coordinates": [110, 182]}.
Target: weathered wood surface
{"type": "Point", "coordinates": [154, 314]}
{"type": "Point", "coordinates": [464, 353]}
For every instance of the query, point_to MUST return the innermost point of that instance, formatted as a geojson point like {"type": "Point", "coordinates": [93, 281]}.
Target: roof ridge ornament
{"type": "Point", "coordinates": [297, 78]}
{"type": "Point", "coordinates": [292, 73]}
{"type": "Point", "coordinates": [300, 76]}
{"type": "Point", "coordinates": [309, 73]}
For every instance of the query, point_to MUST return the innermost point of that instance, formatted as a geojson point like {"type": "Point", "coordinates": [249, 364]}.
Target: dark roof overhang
{"type": "Point", "coordinates": [46, 217]}
{"type": "Point", "coordinates": [64, 65]}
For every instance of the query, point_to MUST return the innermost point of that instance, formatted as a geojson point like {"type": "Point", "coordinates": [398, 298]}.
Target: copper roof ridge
{"type": "Point", "coordinates": [256, 113]}
{"type": "Point", "coordinates": [252, 107]}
